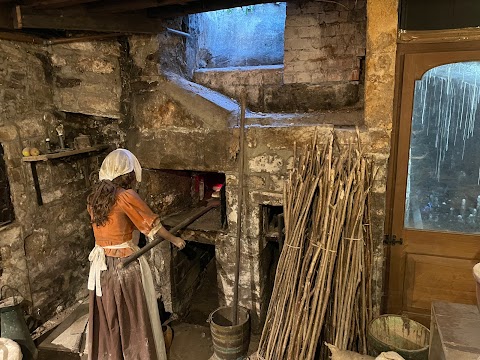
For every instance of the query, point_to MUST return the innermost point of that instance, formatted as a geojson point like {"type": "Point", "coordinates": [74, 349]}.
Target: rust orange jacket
{"type": "Point", "coordinates": [130, 212]}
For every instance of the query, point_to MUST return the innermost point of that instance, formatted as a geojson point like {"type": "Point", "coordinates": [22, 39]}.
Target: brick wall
{"type": "Point", "coordinates": [324, 41]}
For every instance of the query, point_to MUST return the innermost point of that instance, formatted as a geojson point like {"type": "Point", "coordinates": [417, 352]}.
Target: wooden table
{"type": "Point", "coordinates": [455, 332]}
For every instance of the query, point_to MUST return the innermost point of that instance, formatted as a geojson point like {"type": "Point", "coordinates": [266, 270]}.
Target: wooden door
{"type": "Point", "coordinates": [436, 199]}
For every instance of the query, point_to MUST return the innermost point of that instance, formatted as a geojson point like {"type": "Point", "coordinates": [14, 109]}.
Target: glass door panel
{"type": "Point", "coordinates": [443, 181]}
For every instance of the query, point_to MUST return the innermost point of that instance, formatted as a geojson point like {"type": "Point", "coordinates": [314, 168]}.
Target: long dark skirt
{"type": "Point", "coordinates": [119, 326]}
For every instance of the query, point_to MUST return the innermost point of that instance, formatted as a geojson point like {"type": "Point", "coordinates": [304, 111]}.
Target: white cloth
{"type": "Point", "coordinates": [10, 350]}
{"type": "Point", "coordinates": [120, 162]}
{"type": "Point", "coordinates": [476, 273]}
{"type": "Point", "coordinates": [98, 264]}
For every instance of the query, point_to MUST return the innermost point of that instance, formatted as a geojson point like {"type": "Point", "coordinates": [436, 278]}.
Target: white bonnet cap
{"type": "Point", "coordinates": [120, 162]}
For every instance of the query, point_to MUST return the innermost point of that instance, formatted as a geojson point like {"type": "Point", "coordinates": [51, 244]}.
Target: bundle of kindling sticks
{"type": "Point", "coordinates": [322, 290]}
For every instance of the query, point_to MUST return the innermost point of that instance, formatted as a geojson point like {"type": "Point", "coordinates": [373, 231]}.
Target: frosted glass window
{"type": "Point", "coordinates": [443, 183]}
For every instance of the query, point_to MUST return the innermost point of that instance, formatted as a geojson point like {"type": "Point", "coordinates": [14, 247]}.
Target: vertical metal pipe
{"type": "Point", "coordinates": [239, 211]}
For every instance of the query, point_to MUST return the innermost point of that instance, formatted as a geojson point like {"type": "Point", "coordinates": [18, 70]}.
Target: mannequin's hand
{"type": "Point", "coordinates": [179, 242]}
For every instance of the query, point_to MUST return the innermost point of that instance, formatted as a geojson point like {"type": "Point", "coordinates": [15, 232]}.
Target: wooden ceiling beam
{"type": "Point", "coordinates": [128, 5]}
{"type": "Point", "coordinates": [28, 18]}
{"type": "Point", "coordinates": [53, 3]}
{"type": "Point", "coordinates": [6, 16]}
{"type": "Point", "coordinates": [200, 6]}
{"type": "Point", "coordinates": [18, 36]}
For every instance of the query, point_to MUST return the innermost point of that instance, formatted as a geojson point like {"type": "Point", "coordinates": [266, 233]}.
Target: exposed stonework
{"type": "Point", "coordinates": [47, 246]}
{"type": "Point", "coordinates": [103, 87]}
{"type": "Point", "coordinates": [266, 92]}
{"type": "Point", "coordinates": [382, 22]}
{"type": "Point", "coordinates": [14, 262]}
{"type": "Point", "coordinates": [323, 63]}
{"type": "Point", "coordinates": [195, 130]}
{"type": "Point", "coordinates": [86, 78]}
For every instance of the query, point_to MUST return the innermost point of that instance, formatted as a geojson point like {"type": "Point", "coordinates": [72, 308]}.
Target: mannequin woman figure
{"type": "Point", "coordinates": [124, 322]}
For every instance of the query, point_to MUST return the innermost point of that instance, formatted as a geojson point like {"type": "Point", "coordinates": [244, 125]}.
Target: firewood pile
{"type": "Point", "coordinates": [323, 283]}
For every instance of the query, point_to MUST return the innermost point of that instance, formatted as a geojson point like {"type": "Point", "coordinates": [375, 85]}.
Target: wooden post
{"type": "Point", "coordinates": [239, 211]}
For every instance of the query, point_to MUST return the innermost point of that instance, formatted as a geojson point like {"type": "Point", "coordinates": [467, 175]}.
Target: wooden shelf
{"type": "Point", "coordinates": [65, 153]}
{"type": "Point", "coordinates": [57, 155]}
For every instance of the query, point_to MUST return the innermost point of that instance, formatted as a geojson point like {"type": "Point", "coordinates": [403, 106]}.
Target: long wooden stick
{"type": "Point", "coordinates": [323, 280]}
{"type": "Point", "coordinates": [239, 211]}
{"type": "Point", "coordinates": [128, 260]}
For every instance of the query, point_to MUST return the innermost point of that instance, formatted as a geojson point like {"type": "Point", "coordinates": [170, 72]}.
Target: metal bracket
{"type": "Point", "coordinates": [33, 166]}
{"type": "Point", "coordinates": [392, 240]}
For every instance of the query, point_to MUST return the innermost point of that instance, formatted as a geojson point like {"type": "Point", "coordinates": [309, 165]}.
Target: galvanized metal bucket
{"type": "Point", "coordinates": [13, 326]}
{"type": "Point", "coordinates": [230, 342]}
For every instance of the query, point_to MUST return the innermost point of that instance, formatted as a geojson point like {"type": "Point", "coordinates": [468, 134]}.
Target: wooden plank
{"type": "Point", "coordinates": [432, 278]}
{"type": "Point", "coordinates": [29, 18]}
{"type": "Point", "coordinates": [6, 18]}
{"type": "Point", "coordinates": [45, 157]}
{"type": "Point", "coordinates": [53, 3]}
{"type": "Point", "coordinates": [439, 36]}
{"type": "Point", "coordinates": [200, 6]}
{"type": "Point", "coordinates": [65, 5]}
{"type": "Point", "coordinates": [77, 313]}
{"type": "Point", "coordinates": [127, 5]}
{"type": "Point", "coordinates": [72, 337]}
{"type": "Point", "coordinates": [20, 37]}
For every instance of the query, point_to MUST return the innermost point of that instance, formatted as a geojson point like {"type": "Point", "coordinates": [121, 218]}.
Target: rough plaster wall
{"type": "Point", "coordinates": [153, 54]}
{"type": "Point", "coordinates": [233, 82]}
{"type": "Point", "coordinates": [324, 41]}
{"type": "Point", "coordinates": [171, 117]}
{"type": "Point", "coordinates": [242, 36]}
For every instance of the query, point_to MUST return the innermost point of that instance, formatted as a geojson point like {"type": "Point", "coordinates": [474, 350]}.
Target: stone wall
{"type": "Point", "coordinates": [191, 128]}
{"type": "Point", "coordinates": [195, 129]}
{"type": "Point", "coordinates": [24, 96]}
{"type": "Point", "coordinates": [45, 249]}
{"type": "Point", "coordinates": [324, 41]}
{"type": "Point", "coordinates": [109, 89]}
{"type": "Point", "coordinates": [382, 23]}
{"type": "Point", "coordinates": [265, 91]}
{"type": "Point", "coordinates": [86, 78]}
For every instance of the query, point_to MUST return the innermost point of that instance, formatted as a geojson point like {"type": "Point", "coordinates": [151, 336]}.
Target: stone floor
{"type": "Point", "coordinates": [192, 340]}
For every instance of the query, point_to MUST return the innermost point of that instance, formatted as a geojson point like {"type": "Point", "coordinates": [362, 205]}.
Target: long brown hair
{"type": "Point", "coordinates": [104, 195]}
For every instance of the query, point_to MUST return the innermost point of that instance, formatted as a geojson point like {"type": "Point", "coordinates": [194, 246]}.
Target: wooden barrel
{"type": "Point", "coordinates": [230, 342]}
{"type": "Point", "coordinates": [402, 335]}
